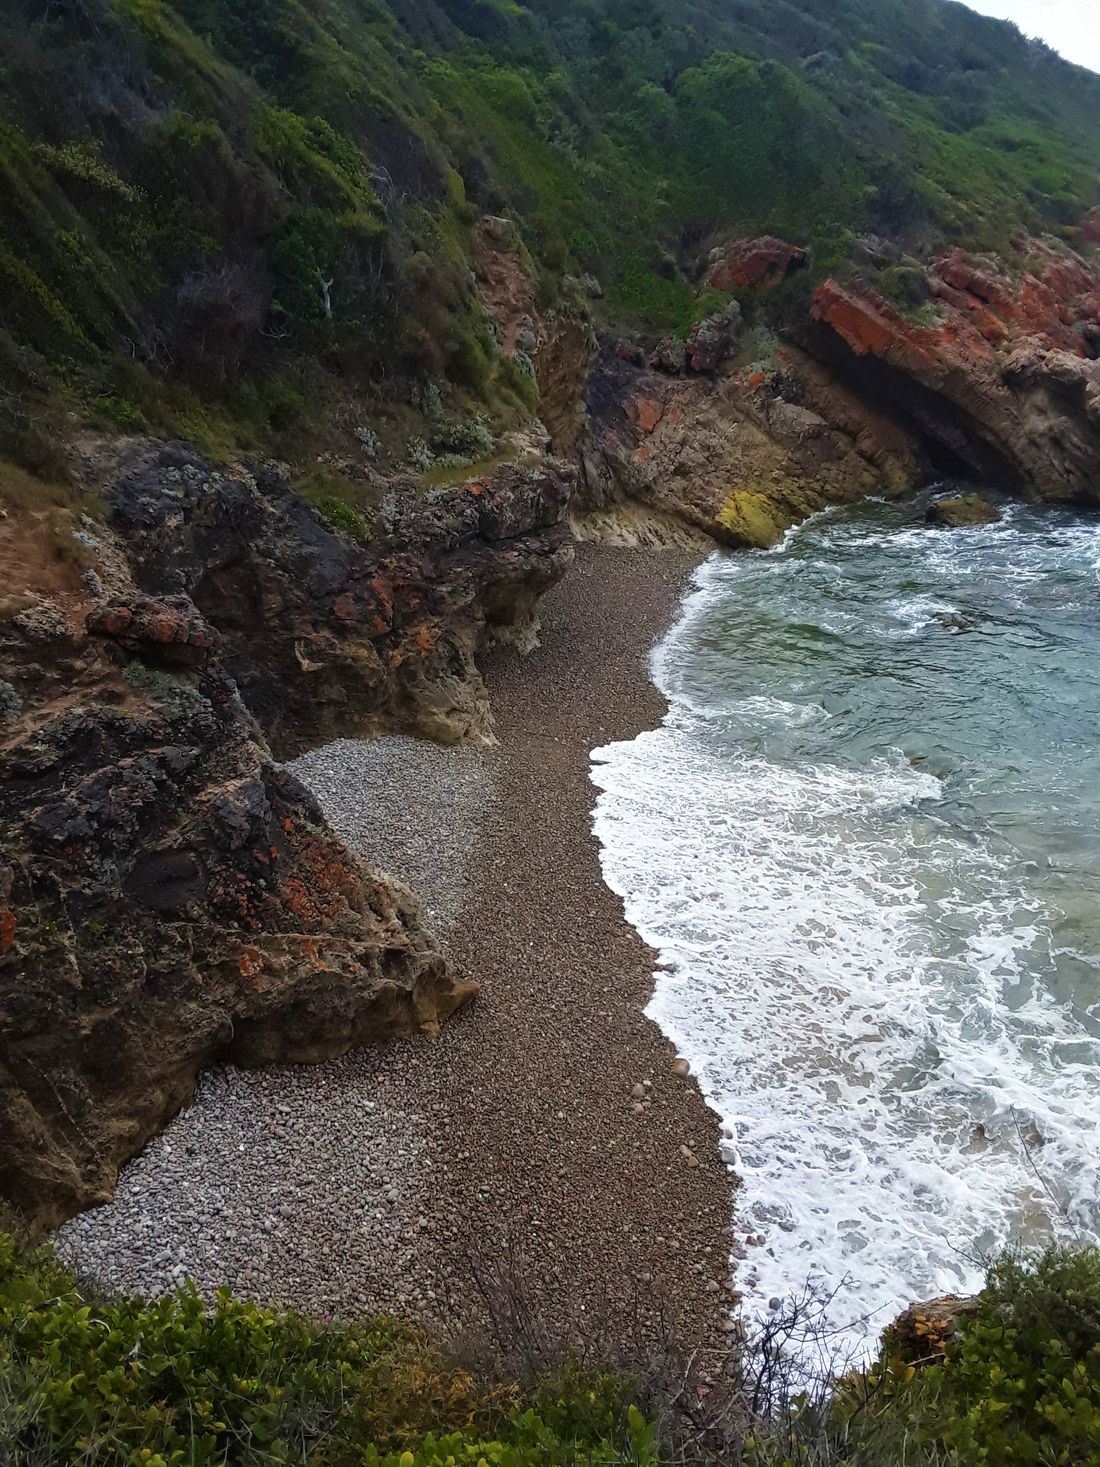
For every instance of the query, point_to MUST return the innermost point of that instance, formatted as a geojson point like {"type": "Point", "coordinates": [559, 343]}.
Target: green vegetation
{"type": "Point", "coordinates": [1018, 1387]}
{"type": "Point", "coordinates": [207, 205]}
{"type": "Point", "coordinates": [110, 1382]}
{"type": "Point", "coordinates": [122, 1383]}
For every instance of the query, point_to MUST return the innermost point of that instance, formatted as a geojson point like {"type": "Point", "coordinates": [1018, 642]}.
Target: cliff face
{"type": "Point", "coordinates": [999, 370]}
{"type": "Point", "coordinates": [735, 459]}
{"type": "Point", "coordinates": [169, 895]}
{"type": "Point", "coordinates": [323, 636]}
{"type": "Point", "coordinates": [995, 377]}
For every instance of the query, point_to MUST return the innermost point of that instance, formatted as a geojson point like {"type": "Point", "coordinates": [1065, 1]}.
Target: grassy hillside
{"type": "Point", "coordinates": [218, 216]}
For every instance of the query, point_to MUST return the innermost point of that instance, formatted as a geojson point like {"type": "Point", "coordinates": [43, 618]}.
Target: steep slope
{"type": "Point", "coordinates": [237, 221]}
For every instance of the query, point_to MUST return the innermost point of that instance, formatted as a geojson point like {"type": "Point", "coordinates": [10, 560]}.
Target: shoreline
{"type": "Point", "coordinates": [516, 1154]}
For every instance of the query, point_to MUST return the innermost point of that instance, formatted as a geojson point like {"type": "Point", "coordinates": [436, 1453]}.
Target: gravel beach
{"type": "Point", "coordinates": [545, 1137]}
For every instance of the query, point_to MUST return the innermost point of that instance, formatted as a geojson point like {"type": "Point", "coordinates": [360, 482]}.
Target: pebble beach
{"type": "Point", "coordinates": [547, 1137]}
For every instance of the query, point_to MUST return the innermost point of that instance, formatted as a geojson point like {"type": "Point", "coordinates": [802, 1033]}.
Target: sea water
{"type": "Point", "coordinates": [866, 843]}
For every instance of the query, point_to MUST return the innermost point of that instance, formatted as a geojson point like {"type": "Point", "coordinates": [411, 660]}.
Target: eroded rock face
{"type": "Point", "coordinates": [739, 458]}
{"type": "Point", "coordinates": [1001, 370]}
{"type": "Point", "coordinates": [170, 895]}
{"type": "Point", "coordinates": [326, 638]}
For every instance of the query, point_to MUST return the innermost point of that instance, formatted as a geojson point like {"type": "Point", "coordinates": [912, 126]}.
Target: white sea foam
{"type": "Point", "coordinates": [849, 975]}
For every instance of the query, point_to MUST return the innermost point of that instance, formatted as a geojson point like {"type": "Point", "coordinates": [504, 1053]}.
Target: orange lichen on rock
{"type": "Point", "coordinates": [250, 964]}
{"type": "Point", "coordinates": [645, 412]}
{"type": "Point", "coordinates": [867, 322]}
{"type": "Point", "coordinates": [761, 264]}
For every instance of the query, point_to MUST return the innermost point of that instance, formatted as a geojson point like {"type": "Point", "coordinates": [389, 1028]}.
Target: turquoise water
{"type": "Point", "coordinates": [866, 842]}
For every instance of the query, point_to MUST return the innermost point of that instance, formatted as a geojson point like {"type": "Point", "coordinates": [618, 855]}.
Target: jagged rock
{"type": "Point", "coordinates": [167, 629]}
{"type": "Point", "coordinates": [708, 344]}
{"type": "Point", "coordinates": [169, 895]}
{"type": "Point", "coordinates": [962, 510]}
{"type": "Point", "coordinates": [713, 339]}
{"type": "Point", "coordinates": [756, 264]}
{"type": "Point", "coordinates": [737, 459]}
{"type": "Point", "coordinates": [922, 1334]}
{"type": "Point", "coordinates": [1002, 376]}
{"type": "Point", "coordinates": [669, 355]}
{"type": "Point", "coordinates": [323, 637]}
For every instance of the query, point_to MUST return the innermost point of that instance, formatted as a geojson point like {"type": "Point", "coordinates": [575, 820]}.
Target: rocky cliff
{"type": "Point", "coordinates": [169, 895]}
{"type": "Point", "coordinates": [998, 369]}
{"type": "Point", "coordinates": [990, 373]}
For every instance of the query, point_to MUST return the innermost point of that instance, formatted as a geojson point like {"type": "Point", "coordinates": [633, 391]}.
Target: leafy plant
{"type": "Point", "coordinates": [177, 1383]}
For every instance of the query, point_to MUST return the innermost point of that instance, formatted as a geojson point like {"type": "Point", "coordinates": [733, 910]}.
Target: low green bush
{"type": "Point", "coordinates": [117, 1382]}
{"type": "Point", "coordinates": [90, 1381]}
{"type": "Point", "coordinates": [340, 515]}
{"type": "Point", "coordinates": [1017, 1386]}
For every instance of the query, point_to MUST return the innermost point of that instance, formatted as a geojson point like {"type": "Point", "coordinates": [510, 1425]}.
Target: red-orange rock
{"type": "Point", "coordinates": [645, 412]}
{"type": "Point", "coordinates": [1005, 366]}
{"type": "Point", "coordinates": [760, 264]}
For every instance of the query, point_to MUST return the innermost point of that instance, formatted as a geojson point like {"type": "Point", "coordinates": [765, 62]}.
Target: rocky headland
{"type": "Point", "coordinates": [173, 898]}
{"type": "Point", "coordinates": [169, 894]}
{"type": "Point", "coordinates": [991, 373]}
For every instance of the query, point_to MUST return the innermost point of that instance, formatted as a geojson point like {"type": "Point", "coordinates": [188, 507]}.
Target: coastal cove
{"type": "Point", "coordinates": [782, 901]}
{"type": "Point", "coordinates": [864, 841]}
{"type": "Point", "coordinates": [514, 1142]}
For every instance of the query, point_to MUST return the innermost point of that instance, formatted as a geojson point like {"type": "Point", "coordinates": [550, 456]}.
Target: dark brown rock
{"type": "Point", "coordinates": [324, 637]}
{"type": "Point", "coordinates": [922, 1334]}
{"type": "Point", "coordinates": [169, 895]}
{"type": "Point", "coordinates": [959, 511]}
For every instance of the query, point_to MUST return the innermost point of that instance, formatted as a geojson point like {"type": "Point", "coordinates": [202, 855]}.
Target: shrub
{"type": "Point", "coordinates": [340, 515]}
{"type": "Point", "coordinates": [1017, 1386]}
{"type": "Point", "coordinates": [177, 1383]}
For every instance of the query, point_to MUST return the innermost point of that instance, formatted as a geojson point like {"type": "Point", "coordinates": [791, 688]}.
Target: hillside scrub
{"type": "Point", "coordinates": [176, 1383]}
{"type": "Point", "coordinates": [203, 203]}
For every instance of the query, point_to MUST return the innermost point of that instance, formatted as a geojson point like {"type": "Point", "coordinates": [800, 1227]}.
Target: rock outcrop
{"type": "Point", "coordinates": [325, 637]}
{"type": "Point", "coordinates": [922, 1334]}
{"type": "Point", "coordinates": [999, 370]}
{"type": "Point", "coordinates": [995, 377]}
{"type": "Point", "coordinates": [737, 458]}
{"type": "Point", "coordinates": [753, 264]}
{"type": "Point", "coordinates": [170, 895]}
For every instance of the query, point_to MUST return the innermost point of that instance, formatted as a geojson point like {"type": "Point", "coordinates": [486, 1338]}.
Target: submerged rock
{"type": "Point", "coordinates": [962, 510]}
